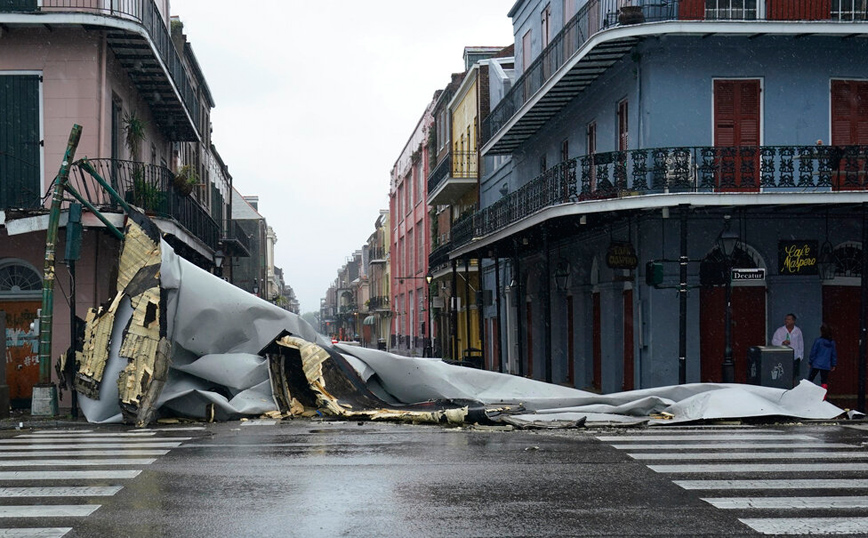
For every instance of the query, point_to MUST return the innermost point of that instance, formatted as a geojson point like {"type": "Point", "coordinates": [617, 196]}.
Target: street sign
{"type": "Point", "coordinates": [739, 274]}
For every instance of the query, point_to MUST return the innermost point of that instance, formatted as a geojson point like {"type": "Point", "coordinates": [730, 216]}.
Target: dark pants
{"type": "Point", "coordinates": [824, 375]}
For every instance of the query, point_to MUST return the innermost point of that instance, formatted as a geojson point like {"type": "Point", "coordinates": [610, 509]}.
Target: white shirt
{"type": "Point", "coordinates": [795, 338]}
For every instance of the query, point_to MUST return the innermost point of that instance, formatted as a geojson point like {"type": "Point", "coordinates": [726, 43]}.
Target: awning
{"type": "Point", "coordinates": [370, 320]}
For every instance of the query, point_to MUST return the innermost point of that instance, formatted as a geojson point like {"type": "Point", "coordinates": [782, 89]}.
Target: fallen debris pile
{"type": "Point", "coordinates": [178, 341]}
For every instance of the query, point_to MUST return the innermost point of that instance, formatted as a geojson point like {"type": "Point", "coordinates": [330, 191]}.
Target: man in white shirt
{"type": "Point", "coordinates": [791, 336]}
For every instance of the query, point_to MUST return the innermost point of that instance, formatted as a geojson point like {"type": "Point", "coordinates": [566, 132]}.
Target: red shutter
{"type": "Point", "coordinates": [795, 10]}
{"type": "Point", "coordinates": [736, 112]}
{"type": "Point", "coordinates": [724, 113]}
{"type": "Point", "coordinates": [849, 112]}
{"type": "Point", "coordinates": [692, 10]}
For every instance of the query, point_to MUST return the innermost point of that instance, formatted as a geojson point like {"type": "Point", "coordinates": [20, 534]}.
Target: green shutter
{"type": "Point", "coordinates": [20, 185]}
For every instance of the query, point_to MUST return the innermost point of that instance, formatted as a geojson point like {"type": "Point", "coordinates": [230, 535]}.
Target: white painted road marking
{"type": "Point", "coordinates": [47, 432]}
{"type": "Point", "coordinates": [711, 456]}
{"type": "Point", "coordinates": [68, 475]}
{"type": "Point", "coordinates": [74, 440]}
{"type": "Point", "coordinates": [787, 503]}
{"type": "Point", "coordinates": [76, 463]}
{"type": "Point", "coordinates": [88, 445]}
{"type": "Point", "coordinates": [49, 435]}
{"type": "Point", "coordinates": [809, 525]}
{"type": "Point", "coordinates": [54, 510]}
{"type": "Point", "coordinates": [729, 446]}
{"type": "Point", "coordinates": [59, 491]}
{"type": "Point", "coordinates": [259, 422]}
{"type": "Point", "coordinates": [57, 453]}
{"type": "Point", "coordinates": [723, 436]}
{"type": "Point", "coordinates": [798, 483]}
{"type": "Point", "coordinates": [46, 532]}
{"type": "Point", "coordinates": [758, 467]}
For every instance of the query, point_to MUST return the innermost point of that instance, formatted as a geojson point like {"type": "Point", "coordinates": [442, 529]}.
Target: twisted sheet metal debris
{"type": "Point", "coordinates": [178, 341]}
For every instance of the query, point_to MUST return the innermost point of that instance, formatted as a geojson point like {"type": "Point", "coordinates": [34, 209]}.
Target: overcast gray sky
{"type": "Point", "coordinates": [315, 100]}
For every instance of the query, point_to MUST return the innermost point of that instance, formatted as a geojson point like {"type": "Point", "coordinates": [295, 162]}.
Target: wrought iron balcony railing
{"type": "Point", "coordinates": [440, 172]}
{"type": "Point", "coordinates": [378, 255]}
{"type": "Point", "coordinates": [144, 12]}
{"type": "Point", "coordinates": [714, 170]}
{"type": "Point", "coordinates": [149, 187]}
{"type": "Point", "coordinates": [598, 15]}
{"type": "Point", "coordinates": [439, 255]}
{"type": "Point", "coordinates": [378, 303]}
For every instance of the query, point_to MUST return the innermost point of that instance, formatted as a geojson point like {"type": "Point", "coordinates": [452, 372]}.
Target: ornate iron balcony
{"type": "Point", "coordinates": [598, 15]}
{"type": "Point", "coordinates": [143, 12]}
{"type": "Point", "coordinates": [712, 170]}
{"type": "Point", "coordinates": [149, 187]}
{"type": "Point", "coordinates": [378, 303]}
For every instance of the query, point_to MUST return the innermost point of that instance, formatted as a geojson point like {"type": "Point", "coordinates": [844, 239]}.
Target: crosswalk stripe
{"type": "Point", "coordinates": [59, 491]}
{"type": "Point", "coordinates": [785, 503]}
{"type": "Point", "coordinates": [722, 446]}
{"type": "Point", "coordinates": [758, 467]}
{"type": "Point", "coordinates": [808, 525]}
{"type": "Point", "coordinates": [48, 432]}
{"type": "Point", "coordinates": [69, 475]}
{"type": "Point", "coordinates": [46, 532]}
{"type": "Point", "coordinates": [87, 445]}
{"type": "Point", "coordinates": [127, 441]}
{"type": "Point", "coordinates": [84, 435]}
{"type": "Point", "coordinates": [723, 436]}
{"type": "Point", "coordinates": [171, 429]}
{"type": "Point", "coordinates": [751, 456]}
{"type": "Point", "coordinates": [797, 483]}
{"type": "Point", "coordinates": [58, 453]}
{"type": "Point", "coordinates": [53, 510]}
{"type": "Point", "coordinates": [76, 463]}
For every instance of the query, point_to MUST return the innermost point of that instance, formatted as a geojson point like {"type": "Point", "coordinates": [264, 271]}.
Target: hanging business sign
{"type": "Point", "coordinates": [621, 256]}
{"type": "Point", "coordinates": [798, 257]}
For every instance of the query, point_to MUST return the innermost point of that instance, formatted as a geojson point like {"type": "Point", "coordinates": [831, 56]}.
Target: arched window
{"type": "Point", "coordinates": [18, 279]}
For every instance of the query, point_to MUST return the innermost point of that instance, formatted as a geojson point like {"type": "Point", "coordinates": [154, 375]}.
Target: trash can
{"type": "Point", "coordinates": [770, 366]}
{"type": "Point", "coordinates": [381, 344]}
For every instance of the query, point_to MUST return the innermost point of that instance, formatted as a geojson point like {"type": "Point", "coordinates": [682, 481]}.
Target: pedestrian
{"type": "Point", "coordinates": [791, 336]}
{"type": "Point", "coordinates": [824, 356]}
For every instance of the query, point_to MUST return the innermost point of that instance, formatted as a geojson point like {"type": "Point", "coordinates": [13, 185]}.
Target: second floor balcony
{"type": "Point", "coordinates": [724, 174]}
{"type": "Point", "coordinates": [142, 44]}
{"type": "Point", "coordinates": [605, 31]}
{"type": "Point", "coordinates": [149, 187]}
{"type": "Point", "coordinates": [453, 177]}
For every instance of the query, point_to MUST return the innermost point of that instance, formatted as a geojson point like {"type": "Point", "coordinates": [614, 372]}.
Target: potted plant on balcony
{"type": "Point", "coordinates": [143, 193]}
{"type": "Point", "coordinates": [630, 14]}
{"type": "Point", "coordinates": [185, 179]}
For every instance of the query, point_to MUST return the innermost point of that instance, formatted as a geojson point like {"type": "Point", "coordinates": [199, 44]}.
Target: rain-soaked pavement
{"type": "Point", "coordinates": [320, 478]}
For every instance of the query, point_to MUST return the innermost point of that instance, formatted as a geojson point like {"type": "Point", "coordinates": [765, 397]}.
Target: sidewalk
{"type": "Point", "coordinates": [21, 419]}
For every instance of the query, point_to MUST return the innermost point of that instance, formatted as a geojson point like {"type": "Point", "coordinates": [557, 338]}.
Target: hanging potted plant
{"type": "Point", "coordinates": [185, 179]}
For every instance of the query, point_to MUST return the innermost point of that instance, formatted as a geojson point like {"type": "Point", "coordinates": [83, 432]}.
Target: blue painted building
{"type": "Point", "coordinates": [696, 136]}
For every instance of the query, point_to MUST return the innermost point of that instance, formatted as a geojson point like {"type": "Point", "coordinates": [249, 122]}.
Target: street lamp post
{"type": "Point", "coordinates": [726, 242]}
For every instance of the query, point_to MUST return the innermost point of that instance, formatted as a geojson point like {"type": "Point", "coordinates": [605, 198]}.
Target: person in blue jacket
{"type": "Point", "coordinates": [824, 356]}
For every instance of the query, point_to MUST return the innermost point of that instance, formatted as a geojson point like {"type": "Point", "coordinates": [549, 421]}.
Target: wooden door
{"type": "Point", "coordinates": [571, 344]}
{"type": "Point", "coordinates": [628, 340]}
{"type": "Point", "coordinates": [849, 103]}
{"type": "Point", "coordinates": [529, 340]}
{"type": "Point", "coordinates": [737, 134]}
{"type": "Point", "coordinates": [841, 312]}
{"type": "Point", "coordinates": [22, 350]}
{"type": "Point", "coordinates": [597, 344]}
{"type": "Point", "coordinates": [748, 329]}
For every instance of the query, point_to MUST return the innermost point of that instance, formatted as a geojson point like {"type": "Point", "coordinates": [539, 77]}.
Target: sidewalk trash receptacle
{"type": "Point", "coordinates": [381, 344]}
{"type": "Point", "coordinates": [770, 366]}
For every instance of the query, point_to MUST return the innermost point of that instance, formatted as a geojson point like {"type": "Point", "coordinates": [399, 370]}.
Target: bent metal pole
{"type": "Point", "coordinates": [46, 315]}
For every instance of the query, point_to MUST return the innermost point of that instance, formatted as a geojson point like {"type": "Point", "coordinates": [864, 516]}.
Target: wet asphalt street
{"type": "Point", "coordinates": [317, 478]}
